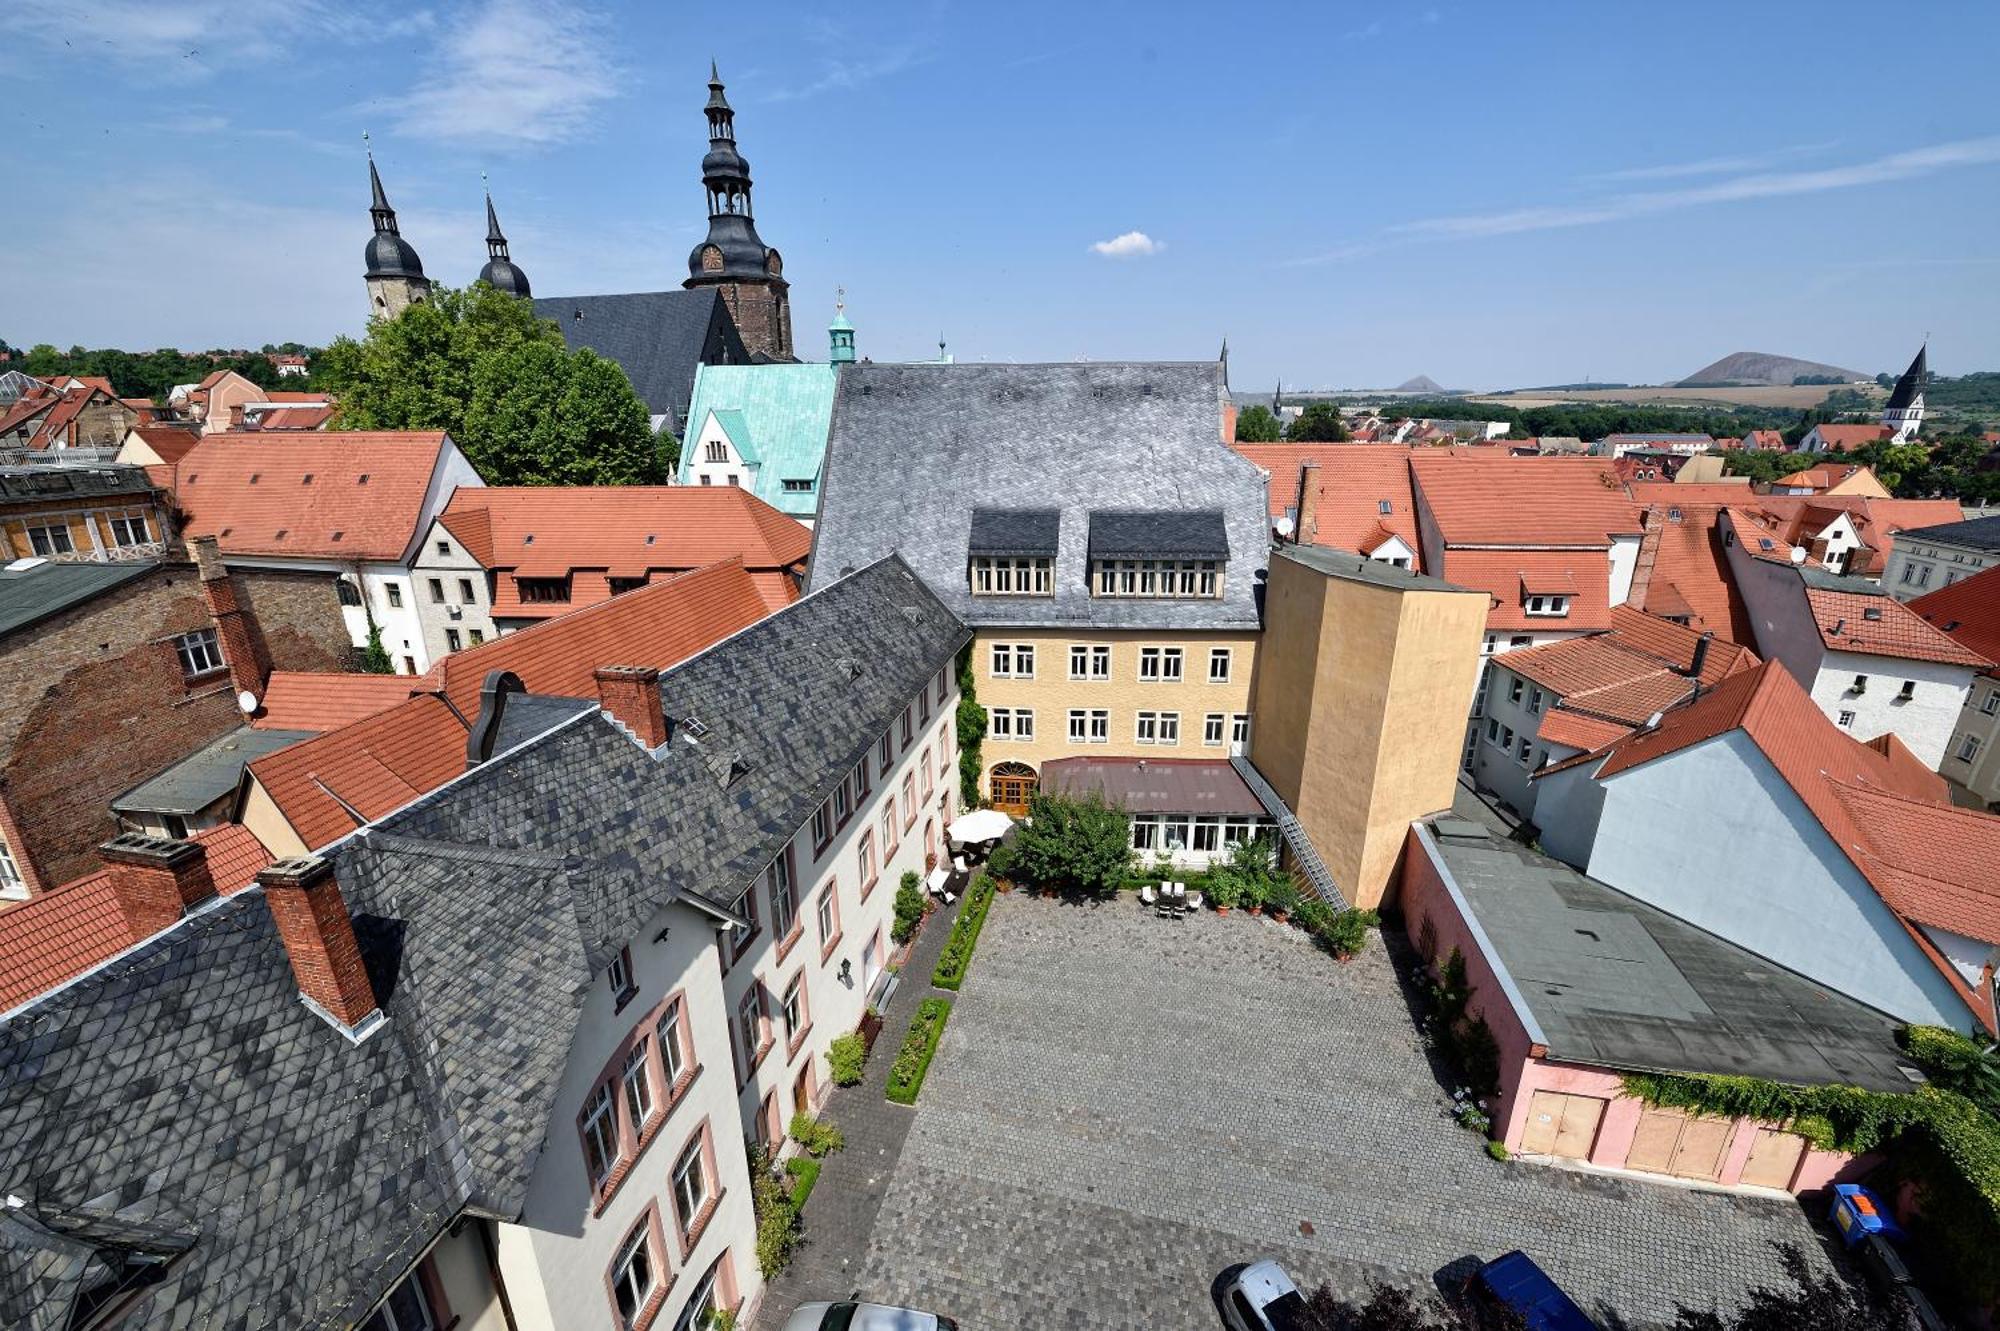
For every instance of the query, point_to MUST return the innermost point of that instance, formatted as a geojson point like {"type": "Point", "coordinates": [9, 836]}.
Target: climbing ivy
{"type": "Point", "coordinates": [971, 730]}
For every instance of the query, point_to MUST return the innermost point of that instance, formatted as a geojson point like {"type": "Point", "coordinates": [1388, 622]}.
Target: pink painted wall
{"type": "Point", "coordinates": [1524, 1069]}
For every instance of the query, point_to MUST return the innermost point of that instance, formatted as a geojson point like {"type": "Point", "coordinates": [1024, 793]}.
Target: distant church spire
{"type": "Point", "coordinates": [733, 258]}
{"type": "Point", "coordinates": [395, 275]}
{"type": "Point", "coordinates": [840, 333]}
{"type": "Point", "coordinates": [1903, 414]}
{"type": "Point", "coordinates": [500, 270]}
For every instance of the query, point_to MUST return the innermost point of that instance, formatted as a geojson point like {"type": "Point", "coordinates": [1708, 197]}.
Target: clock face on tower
{"type": "Point", "coordinates": [711, 259]}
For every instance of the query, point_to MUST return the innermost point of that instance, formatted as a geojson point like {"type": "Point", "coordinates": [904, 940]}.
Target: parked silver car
{"type": "Point", "coordinates": [864, 1317]}
{"type": "Point", "coordinates": [1261, 1297]}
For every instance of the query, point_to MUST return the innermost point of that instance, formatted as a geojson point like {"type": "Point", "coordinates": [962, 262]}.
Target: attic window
{"type": "Point", "coordinates": [307, 479]}
{"type": "Point", "coordinates": [192, 478]}
{"type": "Point", "coordinates": [362, 479]}
{"type": "Point", "coordinates": [1385, 508]}
{"type": "Point", "coordinates": [529, 539]}
{"type": "Point", "coordinates": [650, 538]}
{"type": "Point", "coordinates": [1673, 515]}
{"type": "Point", "coordinates": [794, 486]}
{"type": "Point", "coordinates": [1764, 543]}
{"type": "Point", "coordinates": [337, 535]}
{"type": "Point", "coordinates": [253, 477]}
{"type": "Point", "coordinates": [1872, 612]}
{"type": "Point", "coordinates": [694, 727]}
{"type": "Point", "coordinates": [281, 533]}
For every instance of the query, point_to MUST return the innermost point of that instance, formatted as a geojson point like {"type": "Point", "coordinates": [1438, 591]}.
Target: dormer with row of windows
{"type": "Point", "coordinates": [1164, 554]}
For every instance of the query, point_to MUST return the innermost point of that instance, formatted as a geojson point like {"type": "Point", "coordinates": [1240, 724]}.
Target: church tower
{"type": "Point", "coordinates": [733, 259]}
{"type": "Point", "coordinates": [500, 271]}
{"type": "Point", "coordinates": [1904, 413]}
{"type": "Point", "coordinates": [396, 278]}
{"type": "Point", "coordinates": [840, 334]}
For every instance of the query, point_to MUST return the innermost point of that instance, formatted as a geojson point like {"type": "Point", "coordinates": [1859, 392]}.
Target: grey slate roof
{"type": "Point", "coordinates": [39, 484]}
{"type": "Point", "coordinates": [914, 449]}
{"type": "Point", "coordinates": [30, 595]}
{"type": "Point", "coordinates": [207, 774]}
{"type": "Point", "coordinates": [183, 1092]}
{"type": "Point", "coordinates": [1977, 533]}
{"type": "Point", "coordinates": [1616, 983]}
{"type": "Point", "coordinates": [1015, 531]}
{"type": "Point", "coordinates": [1161, 534]}
{"type": "Point", "coordinates": [657, 336]}
{"type": "Point", "coordinates": [792, 702]}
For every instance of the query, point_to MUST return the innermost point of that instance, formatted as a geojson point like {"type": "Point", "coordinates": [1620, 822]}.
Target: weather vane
{"type": "Point", "coordinates": [840, 300]}
{"type": "Point", "coordinates": [366, 146]}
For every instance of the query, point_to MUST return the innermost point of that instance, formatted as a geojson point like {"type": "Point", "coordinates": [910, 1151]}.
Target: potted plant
{"type": "Point", "coordinates": [1223, 889]}
{"type": "Point", "coordinates": [1282, 898]}
{"type": "Point", "coordinates": [1256, 891]}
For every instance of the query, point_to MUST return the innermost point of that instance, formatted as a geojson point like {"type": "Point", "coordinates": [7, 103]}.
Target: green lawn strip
{"type": "Point", "coordinates": [957, 954]}
{"type": "Point", "coordinates": [805, 1172]}
{"type": "Point", "coordinates": [913, 1060]}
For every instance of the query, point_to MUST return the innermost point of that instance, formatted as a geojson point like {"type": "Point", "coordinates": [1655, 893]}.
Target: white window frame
{"type": "Point", "coordinates": [673, 1056]}
{"type": "Point", "coordinates": [600, 1129]}
{"type": "Point", "coordinates": [1222, 657]}
{"type": "Point", "coordinates": [1089, 662]}
{"type": "Point", "coordinates": [687, 1201]}
{"type": "Point", "coordinates": [1161, 665]}
{"type": "Point", "coordinates": [200, 652]}
{"type": "Point", "coordinates": [1213, 729]}
{"type": "Point", "coordinates": [41, 542]}
{"type": "Point", "coordinates": [635, 1084]}
{"type": "Point", "coordinates": [640, 1244]}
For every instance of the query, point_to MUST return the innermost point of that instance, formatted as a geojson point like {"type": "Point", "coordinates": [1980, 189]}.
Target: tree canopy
{"type": "Point", "coordinates": [1073, 845]}
{"type": "Point", "coordinates": [148, 374]}
{"type": "Point", "coordinates": [1319, 423]}
{"type": "Point", "coordinates": [1256, 425]}
{"type": "Point", "coordinates": [477, 364]}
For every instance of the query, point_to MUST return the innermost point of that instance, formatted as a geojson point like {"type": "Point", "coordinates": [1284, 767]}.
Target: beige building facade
{"type": "Point", "coordinates": [1078, 692]}
{"type": "Point", "coordinates": [1358, 701]}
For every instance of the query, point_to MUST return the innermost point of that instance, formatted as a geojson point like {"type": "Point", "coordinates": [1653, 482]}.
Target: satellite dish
{"type": "Point", "coordinates": [247, 702]}
{"type": "Point", "coordinates": [1283, 526]}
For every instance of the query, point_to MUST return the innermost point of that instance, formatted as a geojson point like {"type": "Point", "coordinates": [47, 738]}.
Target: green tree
{"type": "Point", "coordinates": [1073, 845]}
{"type": "Point", "coordinates": [1256, 425]}
{"type": "Point", "coordinates": [42, 361]}
{"type": "Point", "coordinates": [971, 723]}
{"type": "Point", "coordinates": [1319, 423]}
{"type": "Point", "coordinates": [478, 365]}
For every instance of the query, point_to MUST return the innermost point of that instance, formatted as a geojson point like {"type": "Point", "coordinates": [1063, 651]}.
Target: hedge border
{"type": "Point", "coordinates": [956, 958]}
{"type": "Point", "coordinates": [913, 1060]}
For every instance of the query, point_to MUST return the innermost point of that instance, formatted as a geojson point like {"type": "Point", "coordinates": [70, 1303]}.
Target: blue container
{"type": "Point", "coordinates": [1857, 1213]}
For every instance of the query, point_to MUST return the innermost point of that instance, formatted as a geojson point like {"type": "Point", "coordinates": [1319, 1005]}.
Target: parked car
{"type": "Point", "coordinates": [1514, 1283]}
{"type": "Point", "coordinates": [864, 1317]}
{"type": "Point", "coordinates": [1261, 1297]}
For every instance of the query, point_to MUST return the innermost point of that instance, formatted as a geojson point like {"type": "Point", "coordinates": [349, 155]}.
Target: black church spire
{"type": "Point", "coordinates": [500, 270]}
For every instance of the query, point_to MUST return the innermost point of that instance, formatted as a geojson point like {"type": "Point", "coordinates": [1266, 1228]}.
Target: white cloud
{"type": "Point", "coordinates": [1892, 168]}
{"type": "Point", "coordinates": [841, 75]}
{"type": "Point", "coordinates": [1131, 245]}
{"type": "Point", "coordinates": [186, 40]}
{"type": "Point", "coordinates": [515, 73]}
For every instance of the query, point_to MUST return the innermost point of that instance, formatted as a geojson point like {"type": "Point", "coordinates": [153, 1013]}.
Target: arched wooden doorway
{"type": "Point", "coordinates": [1011, 785]}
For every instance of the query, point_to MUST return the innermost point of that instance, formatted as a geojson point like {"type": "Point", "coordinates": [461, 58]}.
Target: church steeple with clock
{"type": "Point", "coordinates": [733, 258]}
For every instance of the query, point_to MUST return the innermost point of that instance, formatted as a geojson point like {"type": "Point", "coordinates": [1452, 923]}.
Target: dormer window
{"type": "Point", "coordinates": [1158, 554]}
{"type": "Point", "coordinates": [1012, 551]}
{"type": "Point", "coordinates": [1548, 605]}
{"type": "Point", "coordinates": [542, 591]}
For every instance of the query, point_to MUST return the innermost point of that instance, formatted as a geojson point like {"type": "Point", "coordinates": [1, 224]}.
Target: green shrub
{"type": "Point", "coordinates": [1223, 887]}
{"type": "Point", "coordinates": [722, 1319]}
{"type": "Point", "coordinates": [1498, 1150]}
{"type": "Point", "coordinates": [909, 906]}
{"type": "Point", "coordinates": [805, 1173]}
{"type": "Point", "coordinates": [818, 1136]}
{"type": "Point", "coordinates": [957, 954]}
{"type": "Point", "coordinates": [777, 1218]}
{"type": "Point", "coordinates": [1313, 915]}
{"type": "Point", "coordinates": [1074, 845]}
{"type": "Point", "coordinates": [1283, 894]}
{"type": "Point", "coordinates": [1347, 932]}
{"type": "Point", "coordinates": [913, 1060]}
{"type": "Point", "coordinates": [971, 722]}
{"type": "Point", "coordinates": [845, 1057]}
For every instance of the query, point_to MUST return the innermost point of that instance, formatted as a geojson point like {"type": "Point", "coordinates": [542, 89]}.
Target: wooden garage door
{"type": "Point", "coordinates": [1670, 1141]}
{"type": "Point", "coordinates": [1562, 1125]}
{"type": "Point", "coordinates": [1774, 1158]}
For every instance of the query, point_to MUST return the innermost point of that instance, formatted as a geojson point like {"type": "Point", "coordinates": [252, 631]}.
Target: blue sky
{"type": "Point", "coordinates": [1352, 193]}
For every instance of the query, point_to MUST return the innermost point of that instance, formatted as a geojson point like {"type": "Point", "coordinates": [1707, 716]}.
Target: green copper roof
{"type": "Point", "coordinates": [776, 416]}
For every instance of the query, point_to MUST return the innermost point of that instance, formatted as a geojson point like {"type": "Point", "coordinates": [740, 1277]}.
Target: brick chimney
{"type": "Point", "coordinates": [1308, 519]}
{"type": "Point", "coordinates": [156, 880]}
{"type": "Point", "coordinates": [318, 934]}
{"type": "Point", "coordinates": [631, 694]}
{"type": "Point", "coordinates": [243, 647]}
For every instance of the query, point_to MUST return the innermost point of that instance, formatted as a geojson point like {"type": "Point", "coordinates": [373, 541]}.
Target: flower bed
{"type": "Point", "coordinates": [906, 1074]}
{"type": "Point", "coordinates": [957, 955]}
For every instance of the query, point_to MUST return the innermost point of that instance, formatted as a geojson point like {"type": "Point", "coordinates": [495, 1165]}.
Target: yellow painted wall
{"type": "Point", "coordinates": [1052, 693]}
{"type": "Point", "coordinates": [1360, 711]}
{"type": "Point", "coordinates": [268, 823]}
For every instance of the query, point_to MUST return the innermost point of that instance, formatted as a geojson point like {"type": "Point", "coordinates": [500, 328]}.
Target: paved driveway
{"type": "Point", "coordinates": [1122, 1106]}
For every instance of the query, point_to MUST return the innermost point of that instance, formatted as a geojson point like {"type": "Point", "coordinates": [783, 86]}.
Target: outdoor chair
{"type": "Point", "coordinates": [1194, 901]}
{"type": "Point", "coordinates": [1146, 897]}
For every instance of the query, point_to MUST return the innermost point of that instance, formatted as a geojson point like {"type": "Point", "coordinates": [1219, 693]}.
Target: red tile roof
{"type": "Point", "coordinates": [1693, 494]}
{"type": "Point", "coordinates": [1683, 573]}
{"type": "Point", "coordinates": [64, 932]}
{"type": "Point", "coordinates": [364, 498]}
{"type": "Point", "coordinates": [307, 700]}
{"type": "Point", "coordinates": [1502, 573]}
{"type": "Point", "coordinates": [1578, 731]}
{"type": "Point", "coordinates": [170, 442]}
{"type": "Point", "coordinates": [1844, 438]}
{"type": "Point", "coordinates": [1355, 480]}
{"type": "Point", "coordinates": [1630, 672]}
{"type": "Point", "coordinates": [25, 408]}
{"type": "Point", "coordinates": [626, 531]}
{"type": "Point", "coordinates": [1933, 864]}
{"type": "Point", "coordinates": [1968, 610]}
{"type": "Point", "coordinates": [1878, 625]}
{"type": "Point", "coordinates": [1770, 441]}
{"type": "Point", "coordinates": [1477, 498]}
{"type": "Point", "coordinates": [382, 762]}
{"type": "Point", "coordinates": [294, 418]}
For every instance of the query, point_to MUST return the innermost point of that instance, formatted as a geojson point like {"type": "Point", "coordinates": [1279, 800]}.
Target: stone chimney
{"type": "Point", "coordinates": [312, 919]}
{"type": "Point", "coordinates": [156, 880]}
{"type": "Point", "coordinates": [243, 647]}
{"type": "Point", "coordinates": [1308, 507]}
{"type": "Point", "coordinates": [631, 694]}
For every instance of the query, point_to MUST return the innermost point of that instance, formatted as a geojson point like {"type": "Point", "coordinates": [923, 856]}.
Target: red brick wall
{"type": "Point", "coordinates": [93, 702]}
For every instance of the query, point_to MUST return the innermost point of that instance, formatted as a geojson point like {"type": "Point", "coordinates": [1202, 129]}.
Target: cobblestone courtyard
{"type": "Point", "coordinates": [1123, 1106]}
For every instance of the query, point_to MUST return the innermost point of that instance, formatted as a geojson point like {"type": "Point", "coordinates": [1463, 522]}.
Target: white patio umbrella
{"type": "Point", "coordinates": [979, 825]}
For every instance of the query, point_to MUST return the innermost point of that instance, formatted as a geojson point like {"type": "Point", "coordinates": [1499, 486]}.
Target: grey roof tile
{"type": "Point", "coordinates": [657, 336]}
{"type": "Point", "coordinates": [914, 449]}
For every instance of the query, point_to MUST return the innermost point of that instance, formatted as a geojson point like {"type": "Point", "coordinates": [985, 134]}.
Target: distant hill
{"type": "Point", "coordinates": [1423, 383]}
{"type": "Point", "coordinates": [1759, 367]}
